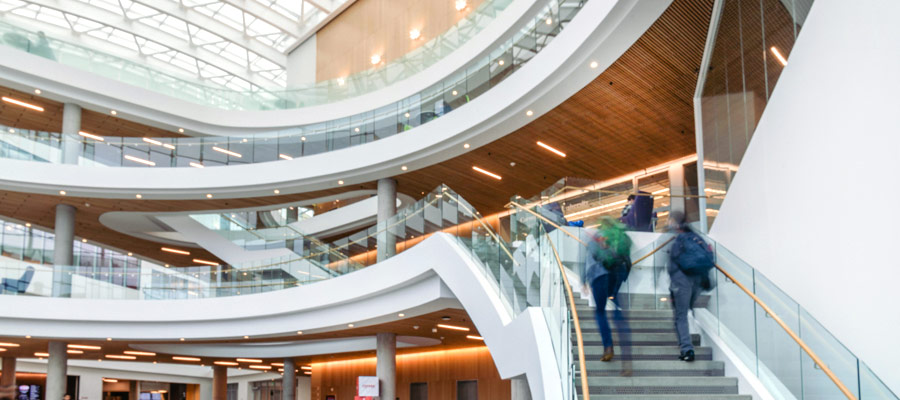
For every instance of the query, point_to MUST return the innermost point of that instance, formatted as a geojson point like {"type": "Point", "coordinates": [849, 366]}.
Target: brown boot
{"type": "Point", "coordinates": [607, 354]}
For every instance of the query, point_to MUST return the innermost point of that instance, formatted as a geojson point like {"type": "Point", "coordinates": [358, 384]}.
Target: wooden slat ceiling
{"type": "Point", "coordinates": [50, 120]}
{"type": "Point", "coordinates": [636, 114]}
{"type": "Point", "coordinates": [420, 326]}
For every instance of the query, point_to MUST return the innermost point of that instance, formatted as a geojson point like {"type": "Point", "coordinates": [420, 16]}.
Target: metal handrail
{"type": "Point", "coordinates": [843, 388]}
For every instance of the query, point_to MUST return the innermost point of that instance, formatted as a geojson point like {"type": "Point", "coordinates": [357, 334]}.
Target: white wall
{"type": "Point", "coordinates": [301, 64]}
{"type": "Point", "coordinates": [810, 207]}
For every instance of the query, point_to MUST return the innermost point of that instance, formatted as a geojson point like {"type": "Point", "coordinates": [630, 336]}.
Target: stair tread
{"type": "Point", "coordinates": [662, 381]}
{"type": "Point", "coordinates": [673, 396]}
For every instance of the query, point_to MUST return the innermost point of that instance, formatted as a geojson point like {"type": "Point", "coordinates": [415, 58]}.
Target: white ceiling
{"type": "Point", "coordinates": [235, 43]}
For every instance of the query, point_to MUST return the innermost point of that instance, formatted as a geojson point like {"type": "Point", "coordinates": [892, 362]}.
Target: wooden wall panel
{"type": "Point", "coordinates": [368, 27]}
{"type": "Point", "coordinates": [440, 369]}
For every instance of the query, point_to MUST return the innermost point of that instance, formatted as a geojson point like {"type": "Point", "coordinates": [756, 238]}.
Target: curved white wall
{"type": "Point", "coordinates": [810, 206]}
{"type": "Point", "coordinates": [600, 33]}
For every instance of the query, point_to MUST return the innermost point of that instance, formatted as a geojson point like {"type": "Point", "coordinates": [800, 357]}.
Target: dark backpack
{"type": "Point", "coordinates": [693, 255]}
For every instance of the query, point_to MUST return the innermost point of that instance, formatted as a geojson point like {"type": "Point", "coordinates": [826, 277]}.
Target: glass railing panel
{"type": "Point", "coordinates": [815, 383]}
{"type": "Point", "coordinates": [778, 355]}
{"type": "Point", "coordinates": [736, 311]}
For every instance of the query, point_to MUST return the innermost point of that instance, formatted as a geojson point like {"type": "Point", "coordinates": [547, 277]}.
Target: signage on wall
{"type": "Point", "coordinates": [367, 386]}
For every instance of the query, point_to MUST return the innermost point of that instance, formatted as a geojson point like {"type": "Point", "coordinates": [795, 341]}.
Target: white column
{"type": "Point", "coordinates": [677, 189]}
{"type": "Point", "coordinates": [71, 140]}
{"type": "Point", "coordinates": [90, 386]}
{"type": "Point", "coordinates": [520, 390]}
{"type": "Point", "coordinates": [289, 381]}
{"type": "Point", "coordinates": [56, 370]}
{"type": "Point", "coordinates": [63, 243]}
{"type": "Point", "coordinates": [206, 390]}
{"type": "Point", "coordinates": [386, 364]}
{"type": "Point", "coordinates": [304, 387]}
{"type": "Point", "coordinates": [387, 207]}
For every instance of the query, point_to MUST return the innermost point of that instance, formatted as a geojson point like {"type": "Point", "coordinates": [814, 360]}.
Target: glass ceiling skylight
{"type": "Point", "coordinates": [239, 44]}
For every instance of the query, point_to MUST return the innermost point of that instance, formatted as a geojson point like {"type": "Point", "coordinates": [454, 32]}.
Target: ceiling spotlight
{"type": "Point", "coordinates": [62, 192]}
{"type": "Point", "coordinates": [340, 182]}
{"type": "Point", "coordinates": [406, 115]}
{"type": "Point", "coordinates": [299, 332]}
{"type": "Point", "coordinates": [375, 59]}
{"type": "Point", "coordinates": [501, 62]}
{"type": "Point", "coordinates": [549, 21]}
{"type": "Point", "coordinates": [460, 5]}
{"type": "Point", "coordinates": [248, 337]}
{"type": "Point", "coordinates": [209, 195]}
{"type": "Point", "coordinates": [466, 145]}
{"type": "Point", "coordinates": [276, 191]}
{"type": "Point", "coordinates": [454, 93]}
{"type": "Point", "coordinates": [401, 315]}
{"type": "Point", "coordinates": [594, 64]}
{"type": "Point", "coordinates": [180, 130]}
{"type": "Point", "coordinates": [356, 130]}
{"type": "Point", "coordinates": [529, 113]}
{"type": "Point", "coordinates": [302, 138]}
{"type": "Point", "coordinates": [415, 34]}
{"type": "Point", "coordinates": [113, 112]}
{"type": "Point", "coordinates": [37, 91]}
{"type": "Point", "coordinates": [129, 255]}
{"type": "Point", "coordinates": [138, 196]}
{"type": "Point", "coordinates": [349, 325]}
{"type": "Point", "coordinates": [83, 240]}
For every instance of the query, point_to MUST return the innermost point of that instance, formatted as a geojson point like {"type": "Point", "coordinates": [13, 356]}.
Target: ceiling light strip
{"type": "Point", "coordinates": [229, 152]}
{"type": "Point", "coordinates": [176, 251]}
{"type": "Point", "coordinates": [453, 327]}
{"type": "Point", "coordinates": [140, 160]}
{"type": "Point", "coordinates": [91, 136]}
{"type": "Point", "coordinates": [152, 141]}
{"type": "Point", "coordinates": [23, 104]}
{"type": "Point", "coordinates": [557, 152]}
{"type": "Point", "coordinates": [488, 173]}
{"type": "Point", "coordinates": [180, 358]}
{"type": "Point", "coordinates": [199, 261]}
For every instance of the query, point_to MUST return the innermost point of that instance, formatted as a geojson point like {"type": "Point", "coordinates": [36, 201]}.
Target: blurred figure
{"type": "Point", "coordinates": [638, 213]}
{"type": "Point", "coordinates": [606, 267]}
{"type": "Point", "coordinates": [691, 259]}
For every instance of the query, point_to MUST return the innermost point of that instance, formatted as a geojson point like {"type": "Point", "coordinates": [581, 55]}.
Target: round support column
{"type": "Point", "coordinates": [289, 380]}
{"type": "Point", "coordinates": [386, 364]}
{"type": "Point", "coordinates": [387, 207]}
{"type": "Point", "coordinates": [57, 366]}
{"type": "Point", "coordinates": [63, 244]}
{"type": "Point", "coordinates": [71, 124]}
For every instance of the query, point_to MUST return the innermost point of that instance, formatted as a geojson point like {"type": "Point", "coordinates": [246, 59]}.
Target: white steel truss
{"type": "Point", "coordinates": [241, 44]}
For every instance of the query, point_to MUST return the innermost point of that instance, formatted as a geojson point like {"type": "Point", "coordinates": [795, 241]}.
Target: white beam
{"type": "Point", "coordinates": [153, 34]}
{"type": "Point", "coordinates": [266, 14]}
{"type": "Point", "coordinates": [215, 26]}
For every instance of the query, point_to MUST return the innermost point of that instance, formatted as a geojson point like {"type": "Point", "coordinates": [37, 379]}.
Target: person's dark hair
{"type": "Point", "coordinates": [630, 197]}
{"type": "Point", "coordinates": [677, 219]}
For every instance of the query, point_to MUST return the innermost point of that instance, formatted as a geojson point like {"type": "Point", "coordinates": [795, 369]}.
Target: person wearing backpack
{"type": "Point", "coordinates": [691, 260]}
{"type": "Point", "coordinates": [607, 264]}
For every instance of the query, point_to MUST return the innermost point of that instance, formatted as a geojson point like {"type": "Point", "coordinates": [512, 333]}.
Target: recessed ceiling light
{"type": "Point", "coordinates": [488, 173]}
{"type": "Point", "coordinates": [341, 81]}
{"type": "Point", "coordinates": [130, 157]}
{"type": "Point", "coordinates": [460, 5]}
{"type": "Point", "coordinates": [209, 195]}
{"type": "Point", "coordinates": [285, 157]}
{"type": "Point", "coordinates": [248, 337]}
{"type": "Point", "coordinates": [549, 21]}
{"type": "Point", "coordinates": [229, 152]}
{"type": "Point", "coordinates": [473, 337]}
{"type": "Point", "coordinates": [74, 351]}
{"type": "Point", "coordinates": [113, 112]}
{"type": "Point", "coordinates": [84, 347]}
{"type": "Point", "coordinates": [349, 325]}
{"type": "Point", "coordinates": [265, 367]}
{"type": "Point", "coordinates": [37, 91]}
{"type": "Point", "coordinates": [401, 315]}
{"type": "Point", "coordinates": [28, 224]}
{"type": "Point", "coordinates": [120, 357]}
{"type": "Point", "coordinates": [176, 251]}
{"type": "Point", "coordinates": [529, 113]}
{"type": "Point", "coordinates": [778, 55]}
{"type": "Point", "coordinates": [557, 152]}
{"type": "Point", "coordinates": [276, 191]}
{"type": "Point", "coordinates": [594, 64]}
{"type": "Point", "coordinates": [83, 240]}
{"type": "Point", "coordinates": [108, 380]}
{"type": "Point", "coordinates": [199, 261]}
{"type": "Point", "coordinates": [180, 130]}
{"type": "Point", "coordinates": [91, 135]}
{"type": "Point", "coordinates": [11, 130]}
{"type": "Point", "coordinates": [465, 145]}
{"type": "Point", "coordinates": [299, 332]}
{"type": "Point", "coordinates": [249, 360]}
{"type": "Point", "coordinates": [403, 168]}
{"type": "Point", "coordinates": [501, 62]}
{"type": "Point", "coordinates": [181, 339]}
{"type": "Point", "coordinates": [195, 164]}
{"type": "Point", "coordinates": [152, 141]}
{"type": "Point", "coordinates": [406, 115]}
{"type": "Point", "coordinates": [454, 93]}
{"type": "Point", "coordinates": [129, 254]}
{"type": "Point", "coordinates": [415, 34]}
{"type": "Point", "coordinates": [340, 182]}
{"type": "Point", "coordinates": [375, 59]}
{"type": "Point", "coordinates": [180, 358]}
{"type": "Point", "coordinates": [139, 353]}
{"type": "Point", "coordinates": [23, 104]}
{"type": "Point", "coordinates": [302, 138]}
{"type": "Point", "coordinates": [228, 363]}
{"type": "Point", "coordinates": [138, 196]}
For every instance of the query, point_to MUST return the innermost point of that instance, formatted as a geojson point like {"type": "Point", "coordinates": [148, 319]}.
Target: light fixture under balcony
{"type": "Point", "coordinates": [195, 164]}
{"type": "Point", "coordinates": [227, 363]}
{"type": "Point", "coordinates": [152, 141]}
{"type": "Point", "coordinates": [37, 91]}
{"type": "Point", "coordinates": [778, 55]}
{"type": "Point", "coordinates": [453, 327]}
{"type": "Point", "coordinates": [555, 151]}
{"type": "Point", "coordinates": [488, 173]}
{"type": "Point", "coordinates": [180, 358]}
{"type": "Point", "coordinates": [285, 157]}
{"type": "Point", "coordinates": [120, 357]}
{"type": "Point", "coordinates": [176, 251]}
{"type": "Point", "coordinates": [139, 353]}
{"type": "Point", "coordinates": [415, 34]}
{"type": "Point", "coordinates": [91, 136]}
{"type": "Point", "coordinates": [229, 152]}
{"type": "Point", "coordinates": [199, 261]}
{"type": "Point", "coordinates": [139, 160]}
{"type": "Point", "coordinates": [249, 360]}
{"type": "Point", "coordinates": [23, 104]}
{"type": "Point", "coordinates": [84, 347]}
{"type": "Point", "coordinates": [473, 337]}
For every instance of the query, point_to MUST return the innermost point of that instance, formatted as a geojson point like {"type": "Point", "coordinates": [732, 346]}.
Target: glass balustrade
{"type": "Point", "coordinates": [199, 152]}
{"type": "Point", "coordinates": [160, 77]}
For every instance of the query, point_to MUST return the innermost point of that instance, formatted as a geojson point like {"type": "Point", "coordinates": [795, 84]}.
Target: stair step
{"type": "Point", "coordinates": [673, 397]}
{"type": "Point", "coordinates": [635, 325]}
{"type": "Point", "coordinates": [638, 339]}
{"type": "Point", "coordinates": [662, 385]}
{"type": "Point", "coordinates": [656, 368]}
{"type": "Point", "coordinates": [663, 353]}
{"type": "Point", "coordinates": [585, 313]}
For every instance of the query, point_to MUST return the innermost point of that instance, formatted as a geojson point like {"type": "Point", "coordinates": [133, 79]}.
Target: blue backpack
{"type": "Point", "coordinates": [693, 255]}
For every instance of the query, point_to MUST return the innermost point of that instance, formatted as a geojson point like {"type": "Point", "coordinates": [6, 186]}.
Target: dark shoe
{"type": "Point", "coordinates": [687, 356]}
{"type": "Point", "coordinates": [607, 354]}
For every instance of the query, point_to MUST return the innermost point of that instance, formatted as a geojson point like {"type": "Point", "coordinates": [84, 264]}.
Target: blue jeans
{"type": "Point", "coordinates": [603, 288]}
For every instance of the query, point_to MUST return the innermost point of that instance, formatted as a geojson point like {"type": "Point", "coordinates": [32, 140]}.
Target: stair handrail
{"type": "Point", "coordinates": [840, 385]}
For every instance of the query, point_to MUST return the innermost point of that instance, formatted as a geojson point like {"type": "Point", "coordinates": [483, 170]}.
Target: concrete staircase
{"type": "Point", "coordinates": [656, 371]}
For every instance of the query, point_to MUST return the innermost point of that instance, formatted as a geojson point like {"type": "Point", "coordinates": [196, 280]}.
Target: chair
{"type": "Point", "coordinates": [20, 285]}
